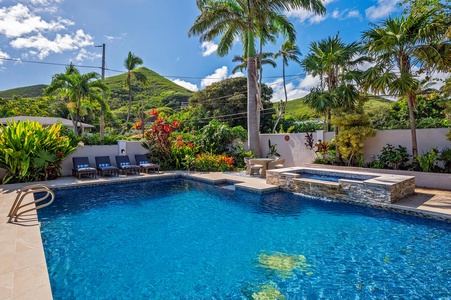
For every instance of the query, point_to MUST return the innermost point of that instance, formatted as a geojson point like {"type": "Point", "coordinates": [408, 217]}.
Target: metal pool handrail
{"type": "Point", "coordinates": [30, 189]}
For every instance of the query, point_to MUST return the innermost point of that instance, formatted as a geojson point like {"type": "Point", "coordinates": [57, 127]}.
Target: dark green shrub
{"type": "Point", "coordinates": [394, 158]}
{"type": "Point", "coordinates": [445, 157]}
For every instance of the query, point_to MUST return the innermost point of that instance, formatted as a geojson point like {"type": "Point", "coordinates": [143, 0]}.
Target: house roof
{"type": "Point", "coordinates": [45, 121]}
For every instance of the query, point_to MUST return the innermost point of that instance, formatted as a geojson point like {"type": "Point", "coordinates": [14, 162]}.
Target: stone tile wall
{"type": "Point", "coordinates": [374, 191]}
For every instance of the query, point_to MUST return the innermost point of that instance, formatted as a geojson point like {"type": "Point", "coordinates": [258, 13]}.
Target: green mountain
{"type": "Point", "coordinates": [158, 92]}
{"type": "Point", "coordinates": [301, 112]}
{"type": "Point", "coordinates": [32, 91]}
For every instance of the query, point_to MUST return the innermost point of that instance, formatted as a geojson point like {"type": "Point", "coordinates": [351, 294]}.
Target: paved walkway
{"type": "Point", "coordinates": [23, 270]}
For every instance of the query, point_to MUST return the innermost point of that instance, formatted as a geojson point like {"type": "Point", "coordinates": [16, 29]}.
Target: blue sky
{"type": "Point", "coordinates": [61, 31]}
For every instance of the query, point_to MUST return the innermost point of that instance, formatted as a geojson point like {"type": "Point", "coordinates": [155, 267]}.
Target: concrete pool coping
{"type": "Point", "coordinates": [23, 269]}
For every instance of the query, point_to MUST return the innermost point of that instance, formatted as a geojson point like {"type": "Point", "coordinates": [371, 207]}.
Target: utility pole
{"type": "Point", "coordinates": [102, 113]}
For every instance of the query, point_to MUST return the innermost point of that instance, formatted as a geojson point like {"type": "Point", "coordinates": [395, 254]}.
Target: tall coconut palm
{"type": "Point", "coordinates": [402, 45]}
{"type": "Point", "coordinates": [76, 87]}
{"type": "Point", "coordinates": [231, 19]}
{"type": "Point", "coordinates": [131, 63]}
{"type": "Point", "coordinates": [289, 51]}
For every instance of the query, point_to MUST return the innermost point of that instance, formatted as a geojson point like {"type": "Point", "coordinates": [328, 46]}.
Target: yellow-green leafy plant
{"type": "Point", "coordinates": [355, 127]}
{"type": "Point", "coordinates": [30, 152]}
{"type": "Point", "coordinates": [268, 292]}
{"type": "Point", "coordinates": [284, 264]}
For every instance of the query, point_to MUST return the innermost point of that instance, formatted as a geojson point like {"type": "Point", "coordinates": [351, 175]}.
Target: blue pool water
{"type": "Point", "coordinates": [326, 177]}
{"type": "Point", "coordinates": [178, 239]}
{"type": "Point", "coordinates": [320, 177]}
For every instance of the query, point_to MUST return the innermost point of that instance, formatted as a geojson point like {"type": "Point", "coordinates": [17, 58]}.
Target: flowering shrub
{"type": "Point", "coordinates": [182, 154]}
{"type": "Point", "coordinates": [138, 125]}
{"type": "Point", "coordinates": [210, 162]}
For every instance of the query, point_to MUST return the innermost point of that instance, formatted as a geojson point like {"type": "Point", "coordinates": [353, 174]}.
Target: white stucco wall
{"type": "Point", "coordinates": [296, 154]}
{"type": "Point", "coordinates": [294, 150]}
{"type": "Point", "coordinates": [426, 139]}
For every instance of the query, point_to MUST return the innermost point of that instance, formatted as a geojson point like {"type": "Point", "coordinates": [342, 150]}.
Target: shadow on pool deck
{"type": "Point", "coordinates": [23, 270]}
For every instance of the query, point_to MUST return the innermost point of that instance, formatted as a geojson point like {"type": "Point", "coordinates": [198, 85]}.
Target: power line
{"type": "Point", "coordinates": [123, 71]}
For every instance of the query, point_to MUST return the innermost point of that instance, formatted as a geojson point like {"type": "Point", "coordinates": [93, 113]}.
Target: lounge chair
{"type": "Point", "coordinates": [277, 164]}
{"type": "Point", "coordinates": [104, 166]}
{"type": "Point", "coordinates": [123, 163]}
{"type": "Point", "coordinates": [143, 162]}
{"type": "Point", "coordinates": [82, 167]}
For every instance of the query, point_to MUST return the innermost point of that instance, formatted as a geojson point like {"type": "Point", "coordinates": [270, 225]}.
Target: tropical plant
{"type": "Point", "coordinates": [427, 162]}
{"type": "Point", "coordinates": [335, 63]}
{"type": "Point", "coordinates": [289, 51]}
{"type": "Point", "coordinates": [394, 157]}
{"type": "Point", "coordinates": [445, 157]}
{"type": "Point", "coordinates": [272, 150]}
{"type": "Point", "coordinates": [131, 63]}
{"type": "Point", "coordinates": [207, 162]}
{"type": "Point", "coordinates": [245, 19]}
{"type": "Point", "coordinates": [355, 128]}
{"type": "Point", "coordinates": [402, 45]}
{"type": "Point", "coordinates": [76, 87]}
{"type": "Point", "coordinates": [159, 140]}
{"type": "Point", "coordinates": [30, 152]}
{"type": "Point", "coordinates": [217, 137]}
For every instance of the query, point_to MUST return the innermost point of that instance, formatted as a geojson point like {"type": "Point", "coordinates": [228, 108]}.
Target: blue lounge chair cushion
{"type": "Point", "coordinates": [125, 163]}
{"type": "Point", "coordinates": [143, 162]}
{"type": "Point", "coordinates": [82, 166]}
{"type": "Point", "coordinates": [104, 165]}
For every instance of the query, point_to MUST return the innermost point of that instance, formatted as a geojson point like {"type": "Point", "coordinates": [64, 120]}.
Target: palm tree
{"type": "Point", "coordinates": [131, 63]}
{"type": "Point", "coordinates": [400, 46]}
{"type": "Point", "coordinates": [334, 61]}
{"type": "Point", "coordinates": [76, 87]}
{"type": "Point", "coordinates": [231, 19]}
{"type": "Point", "coordinates": [288, 52]}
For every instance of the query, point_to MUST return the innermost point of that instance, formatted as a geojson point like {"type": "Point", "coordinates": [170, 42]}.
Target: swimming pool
{"type": "Point", "coordinates": [179, 239]}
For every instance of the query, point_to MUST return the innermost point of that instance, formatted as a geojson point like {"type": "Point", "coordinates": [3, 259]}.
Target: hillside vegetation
{"type": "Point", "coordinates": [32, 91]}
{"type": "Point", "coordinates": [159, 91]}
{"type": "Point", "coordinates": [302, 112]}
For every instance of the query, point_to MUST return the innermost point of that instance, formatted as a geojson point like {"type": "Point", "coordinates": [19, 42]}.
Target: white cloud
{"type": "Point", "coordinates": [345, 14]}
{"type": "Point", "coordinates": [218, 75]}
{"type": "Point", "coordinates": [383, 9]}
{"type": "Point", "coordinates": [237, 74]}
{"type": "Point", "coordinates": [86, 55]}
{"type": "Point", "coordinates": [112, 38]}
{"type": "Point", "coordinates": [309, 82]}
{"type": "Point", "coordinates": [353, 14]}
{"type": "Point", "coordinates": [3, 55]}
{"type": "Point", "coordinates": [25, 28]}
{"type": "Point", "coordinates": [46, 6]}
{"type": "Point", "coordinates": [208, 48]}
{"type": "Point", "coordinates": [59, 44]}
{"type": "Point", "coordinates": [18, 20]}
{"type": "Point", "coordinates": [187, 85]}
{"type": "Point", "coordinates": [303, 15]}
{"type": "Point", "coordinates": [293, 92]}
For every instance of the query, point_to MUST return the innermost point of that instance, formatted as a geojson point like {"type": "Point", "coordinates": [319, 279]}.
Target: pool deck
{"type": "Point", "coordinates": [23, 270]}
